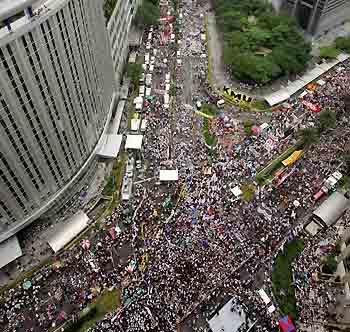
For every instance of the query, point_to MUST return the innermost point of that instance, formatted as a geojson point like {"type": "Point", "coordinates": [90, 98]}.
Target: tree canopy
{"type": "Point", "coordinates": [134, 72]}
{"type": "Point", "coordinates": [108, 8]}
{"type": "Point", "coordinates": [148, 13]}
{"type": "Point", "coordinates": [260, 45]}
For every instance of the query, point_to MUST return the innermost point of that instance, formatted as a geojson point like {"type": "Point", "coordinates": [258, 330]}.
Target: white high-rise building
{"type": "Point", "coordinates": [57, 94]}
{"type": "Point", "coordinates": [118, 27]}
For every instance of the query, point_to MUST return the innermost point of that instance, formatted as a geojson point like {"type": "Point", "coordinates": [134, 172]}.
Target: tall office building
{"type": "Point", "coordinates": [118, 28]}
{"type": "Point", "coordinates": [57, 93]}
{"type": "Point", "coordinates": [316, 17]}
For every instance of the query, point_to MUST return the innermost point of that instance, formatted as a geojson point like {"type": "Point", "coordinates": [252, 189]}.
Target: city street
{"type": "Point", "coordinates": [180, 251]}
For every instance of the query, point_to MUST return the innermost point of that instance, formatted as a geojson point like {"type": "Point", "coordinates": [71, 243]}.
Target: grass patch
{"type": "Point", "coordinates": [260, 105]}
{"type": "Point", "coordinates": [282, 277]}
{"type": "Point", "coordinates": [265, 173]}
{"type": "Point", "coordinates": [118, 172]}
{"type": "Point", "coordinates": [248, 191]}
{"type": "Point", "coordinates": [209, 138]}
{"type": "Point", "coordinates": [107, 302]}
{"type": "Point", "coordinates": [109, 187]}
{"type": "Point", "coordinates": [329, 52]}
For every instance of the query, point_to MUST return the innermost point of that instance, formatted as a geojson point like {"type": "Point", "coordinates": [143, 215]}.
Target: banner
{"type": "Point", "coordinates": [236, 97]}
{"type": "Point", "coordinates": [292, 158]}
{"type": "Point", "coordinates": [312, 107]}
{"type": "Point", "coordinates": [204, 115]}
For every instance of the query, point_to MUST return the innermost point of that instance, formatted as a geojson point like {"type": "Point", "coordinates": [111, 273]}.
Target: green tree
{"type": "Point", "coordinates": [134, 72]}
{"type": "Point", "coordinates": [327, 120]}
{"type": "Point", "coordinates": [108, 8]}
{"type": "Point", "coordinates": [172, 90]}
{"type": "Point", "coordinates": [258, 44]}
{"type": "Point", "coordinates": [255, 68]}
{"type": "Point", "coordinates": [343, 43]}
{"type": "Point", "coordinates": [308, 137]}
{"type": "Point", "coordinates": [329, 52]}
{"type": "Point", "coordinates": [147, 14]}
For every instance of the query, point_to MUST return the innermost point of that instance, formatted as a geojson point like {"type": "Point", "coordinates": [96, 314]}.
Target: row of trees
{"type": "Point", "coordinates": [259, 45]}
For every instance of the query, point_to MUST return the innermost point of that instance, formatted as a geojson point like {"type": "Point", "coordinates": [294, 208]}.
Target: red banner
{"type": "Point", "coordinates": [312, 107]}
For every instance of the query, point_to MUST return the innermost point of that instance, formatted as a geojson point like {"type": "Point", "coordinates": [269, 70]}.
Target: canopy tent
{"type": "Point", "coordinates": [168, 175]}
{"type": "Point", "coordinates": [9, 251]}
{"type": "Point", "coordinates": [134, 142]}
{"type": "Point", "coordinates": [277, 97]}
{"type": "Point", "coordinates": [229, 318]}
{"type": "Point", "coordinates": [139, 99]}
{"type": "Point", "coordinates": [117, 118]}
{"type": "Point", "coordinates": [67, 231]}
{"type": "Point", "coordinates": [135, 124]}
{"type": "Point", "coordinates": [236, 191]}
{"type": "Point", "coordinates": [313, 228]}
{"type": "Point", "coordinates": [264, 296]}
{"type": "Point", "coordinates": [286, 324]}
{"type": "Point", "coordinates": [271, 309]}
{"type": "Point", "coordinates": [110, 146]}
{"type": "Point", "coordinates": [331, 209]}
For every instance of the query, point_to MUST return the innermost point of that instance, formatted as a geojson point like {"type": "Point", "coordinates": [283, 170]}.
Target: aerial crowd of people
{"type": "Point", "coordinates": [182, 245]}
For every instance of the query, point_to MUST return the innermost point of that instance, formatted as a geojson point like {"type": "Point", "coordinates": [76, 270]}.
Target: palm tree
{"type": "Point", "coordinates": [308, 137]}
{"type": "Point", "coordinates": [327, 119]}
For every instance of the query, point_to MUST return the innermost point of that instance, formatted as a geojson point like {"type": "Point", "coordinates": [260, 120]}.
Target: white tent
{"type": "Point", "coordinates": [134, 142]}
{"type": "Point", "coordinates": [264, 296]}
{"type": "Point", "coordinates": [166, 99]}
{"type": "Point", "coordinates": [139, 99]}
{"type": "Point", "coordinates": [236, 191]}
{"type": "Point", "coordinates": [135, 124]}
{"type": "Point", "coordinates": [168, 175]}
{"type": "Point", "coordinates": [313, 228]}
{"type": "Point", "coordinates": [9, 251]}
{"type": "Point", "coordinates": [67, 231]}
{"type": "Point", "coordinates": [111, 146]}
{"type": "Point", "coordinates": [271, 309]}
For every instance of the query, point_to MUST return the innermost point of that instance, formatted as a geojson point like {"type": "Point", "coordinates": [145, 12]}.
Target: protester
{"type": "Point", "coordinates": [197, 235]}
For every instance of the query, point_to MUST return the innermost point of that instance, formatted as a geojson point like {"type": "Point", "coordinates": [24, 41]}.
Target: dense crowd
{"type": "Point", "coordinates": [201, 240]}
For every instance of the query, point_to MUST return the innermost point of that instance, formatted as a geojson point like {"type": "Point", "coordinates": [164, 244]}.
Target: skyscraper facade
{"type": "Point", "coordinates": [317, 17]}
{"type": "Point", "coordinates": [118, 28]}
{"type": "Point", "coordinates": [57, 93]}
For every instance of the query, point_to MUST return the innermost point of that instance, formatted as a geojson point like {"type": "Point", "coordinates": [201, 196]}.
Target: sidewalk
{"type": "Point", "coordinates": [292, 87]}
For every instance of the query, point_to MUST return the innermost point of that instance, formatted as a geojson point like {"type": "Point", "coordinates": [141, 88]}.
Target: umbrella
{"type": "Point", "coordinates": [85, 244]}
{"type": "Point", "coordinates": [27, 284]}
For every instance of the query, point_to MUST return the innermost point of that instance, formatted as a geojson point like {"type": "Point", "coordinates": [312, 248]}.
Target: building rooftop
{"type": "Point", "coordinates": [9, 8]}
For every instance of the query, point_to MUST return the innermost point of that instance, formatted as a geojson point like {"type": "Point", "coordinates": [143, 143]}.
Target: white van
{"type": "Point", "coordinates": [167, 78]}
{"type": "Point", "coordinates": [172, 37]}
{"type": "Point", "coordinates": [142, 90]}
{"type": "Point", "coordinates": [220, 103]}
{"type": "Point", "coordinates": [198, 105]}
{"type": "Point", "coordinates": [151, 68]}
{"type": "Point", "coordinates": [144, 125]}
{"type": "Point", "coordinates": [147, 58]}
